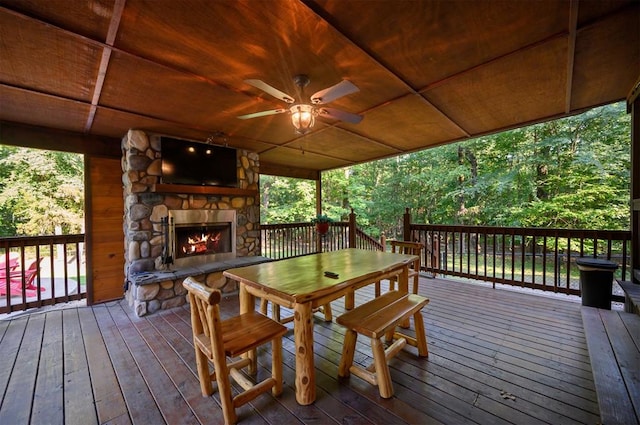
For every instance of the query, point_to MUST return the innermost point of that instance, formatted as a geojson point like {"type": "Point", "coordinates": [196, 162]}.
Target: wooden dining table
{"type": "Point", "coordinates": [301, 284]}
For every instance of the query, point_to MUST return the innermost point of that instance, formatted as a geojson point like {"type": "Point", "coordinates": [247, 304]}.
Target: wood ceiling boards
{"type": "Point", "coordinates": [429, 72]}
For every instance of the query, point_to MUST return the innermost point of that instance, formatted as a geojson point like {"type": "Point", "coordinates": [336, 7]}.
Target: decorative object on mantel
{"type": "Point", "coordinates": [303, 115]}
{"type": "Point", "coordinates": [322, 223]}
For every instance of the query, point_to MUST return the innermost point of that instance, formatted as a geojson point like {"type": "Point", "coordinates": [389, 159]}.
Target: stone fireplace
{"type": "Point", "coordinates": [175, 231]}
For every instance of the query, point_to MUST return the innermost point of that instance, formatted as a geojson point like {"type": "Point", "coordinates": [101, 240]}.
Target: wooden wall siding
{"type": "Point", "coordinates": [495, 357]}
{"type": "Point", "coordinates": [105, 247]}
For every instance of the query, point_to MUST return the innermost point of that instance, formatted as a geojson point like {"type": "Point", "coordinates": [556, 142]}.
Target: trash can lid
{"type": "Point", "coordinates": [596, 263]}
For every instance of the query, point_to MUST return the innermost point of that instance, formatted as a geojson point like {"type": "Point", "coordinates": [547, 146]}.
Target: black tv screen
{"type": "Point", "coordinates": [192, 163]}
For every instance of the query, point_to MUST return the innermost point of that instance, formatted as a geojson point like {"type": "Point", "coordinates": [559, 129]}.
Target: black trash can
{"type": "Point", "coordinates": [596, 279]}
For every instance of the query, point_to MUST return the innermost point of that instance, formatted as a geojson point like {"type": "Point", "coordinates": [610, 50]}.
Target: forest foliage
{"type": "Point", "coordinates": [571, 173]}
{"type": "Point", "coordinates": [41, 192]}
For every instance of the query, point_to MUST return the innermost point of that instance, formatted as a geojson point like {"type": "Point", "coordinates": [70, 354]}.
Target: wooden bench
{"type": "Point", "coordinates": [380, 317]}
{"type": "Point", "coordinates": [631, 296]}
{"type": "Point", "coordinates": [613, 338]}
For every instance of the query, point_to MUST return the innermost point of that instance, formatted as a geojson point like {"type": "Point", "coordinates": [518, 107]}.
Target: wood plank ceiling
{"type": "Point", "coordinates": [429, 72]}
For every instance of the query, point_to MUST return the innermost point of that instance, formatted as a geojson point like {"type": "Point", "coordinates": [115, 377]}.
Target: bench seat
{"type": "Point", "coordinates": [613, 338]}
{"type": "Point", "coordinates": [631, 296]}
{"type": "Point", "coordinates": [375, 319]}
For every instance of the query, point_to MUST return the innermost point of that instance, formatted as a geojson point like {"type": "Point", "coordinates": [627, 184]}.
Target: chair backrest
{"type": "Point", "coordinates": [405, 247]}
{"type": "Point", "coordinates": [31, 272]}
{"type": "Point", "coordinates": [205, 309]}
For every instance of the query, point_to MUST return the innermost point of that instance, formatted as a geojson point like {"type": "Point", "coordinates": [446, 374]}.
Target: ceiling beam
{"type": "Point", "coordinates": [571, 51]}
{"type": "Point", "coordinates": [16, 134]}
{"type": "Point", "coordinates": [118, 7]}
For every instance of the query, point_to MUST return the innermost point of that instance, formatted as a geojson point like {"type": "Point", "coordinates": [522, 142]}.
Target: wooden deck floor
{"type": "Point", "coordinates": [496, 357]}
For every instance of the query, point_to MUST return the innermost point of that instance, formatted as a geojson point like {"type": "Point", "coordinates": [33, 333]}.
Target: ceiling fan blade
{"type": "Point", "coordinates": [270, 90]}
{"type": "Point", "coordinates": [263, 114]}
{"type": "Point", "coordinates": [337, 114]}
{"type": "Point", "coordinates": [332, 93]}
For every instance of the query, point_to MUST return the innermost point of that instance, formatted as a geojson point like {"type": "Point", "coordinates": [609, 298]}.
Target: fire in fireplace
{"type": "Point", "coordinates": [197, 237]}
{"type": "Point", "coordinates": [202, 240]}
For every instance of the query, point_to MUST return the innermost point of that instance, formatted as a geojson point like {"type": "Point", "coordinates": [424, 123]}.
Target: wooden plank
{"type": "Point", "coordinates": [164, 343]}
{"type": "Point", "coordinates": [78, 397]}
{"type": "Point", "coordinates": [613, 399]}
{"type": "Point", "coordinates": [140, 403]}
{"type": "Point", "coordinates": [202, 190]}
{"type": "Point", "coordinates": [470, 364]}
{"type": "Point", "coordinates": [109, 401]}
{"type": "Point", "coordinates": [627, 354]}
{"type": "Point", "coordinates": [17, 400]}
{"type": "Point", "coordinates": [172, 406]}
{"type": "Point", "coordinates": [9, 347]}
{"type": "Point", "coordinates": [48, 404]}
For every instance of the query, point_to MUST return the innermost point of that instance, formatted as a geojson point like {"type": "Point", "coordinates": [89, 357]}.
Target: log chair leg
{"type": "Point", "coordinates": [276, 366]}
{"type": "Point", "coordinates": [204, 374]}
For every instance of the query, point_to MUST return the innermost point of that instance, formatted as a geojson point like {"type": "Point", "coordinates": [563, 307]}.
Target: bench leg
{"type": "Point", "coordinates": [383, 376]}
{"type": "Point", "coordinates": [421, 336]}
{"type": "Point", "coordinates": [348, 351]}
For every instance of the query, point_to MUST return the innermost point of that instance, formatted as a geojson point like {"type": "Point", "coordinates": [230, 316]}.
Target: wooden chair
{"type": "Point", "coordinates": [16, 284]}
{"type": "Point", "coordinates": [215, 339]}
{"type": "Point", "coordinates": [375, 319]}
{"type": "Point", "coordinates": [411, 248]}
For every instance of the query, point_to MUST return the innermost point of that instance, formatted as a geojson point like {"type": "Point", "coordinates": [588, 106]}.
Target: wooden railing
{"type": "Point", "coordinates": [528, 257]}
{"type": "Point", "coordinates": [295, 239]}
{"type": "Point", "coordinates": [57, 272]}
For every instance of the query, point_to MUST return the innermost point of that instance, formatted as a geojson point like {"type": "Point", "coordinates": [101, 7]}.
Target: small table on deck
{"type": "Point", "coordinates": [299, 283]}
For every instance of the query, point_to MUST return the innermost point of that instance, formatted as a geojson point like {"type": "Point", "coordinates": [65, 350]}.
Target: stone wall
{"type": "Point", "coordinates": [144, 234]}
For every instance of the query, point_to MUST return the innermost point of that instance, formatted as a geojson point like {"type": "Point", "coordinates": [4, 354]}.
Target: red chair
{"type": "Point", "coordinates": [16, 285]}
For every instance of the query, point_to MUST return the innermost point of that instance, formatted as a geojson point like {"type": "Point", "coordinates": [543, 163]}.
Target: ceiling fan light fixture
{"type": "Point", "coordinates": [302, 117]}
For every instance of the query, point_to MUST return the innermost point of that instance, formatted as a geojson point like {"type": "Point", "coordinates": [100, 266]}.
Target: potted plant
{"type": "Point", "coordinates": [322, 223]}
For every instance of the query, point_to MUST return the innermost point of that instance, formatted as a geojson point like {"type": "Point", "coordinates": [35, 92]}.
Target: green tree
{"type": "Point", "coordinates": [286, 200]}
{"type": "Point", "coordinates": [40, 192]}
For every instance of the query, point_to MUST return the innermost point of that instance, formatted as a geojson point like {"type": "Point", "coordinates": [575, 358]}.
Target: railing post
{"type": "Point", "coordinates": [352, 229]}
{"type": "Point", "coordinates": [383, 241]}
{"type": "Point", "coordinates": [407, 225]}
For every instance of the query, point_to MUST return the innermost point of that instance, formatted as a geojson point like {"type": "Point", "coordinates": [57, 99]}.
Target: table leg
{"type": "Point", "coordinates": [403, 287]}
{"type": "Point", "coordinates": [305, 369]}
{"type": "Point", "coordinates": [247, 305]}
{"type": "Point", "coordinates": [349, 300]}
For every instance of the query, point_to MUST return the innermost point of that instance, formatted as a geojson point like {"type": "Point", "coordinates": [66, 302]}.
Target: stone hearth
{"type": "Point", "coordinates": [152, 285]}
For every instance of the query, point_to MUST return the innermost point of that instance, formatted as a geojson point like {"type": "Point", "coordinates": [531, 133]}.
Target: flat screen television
{"type": "Point", "coordinates": [199, 164]}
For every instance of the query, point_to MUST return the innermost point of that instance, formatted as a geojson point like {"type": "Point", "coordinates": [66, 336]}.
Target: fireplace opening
{"type": "Point", "coordinates": [197, 237]}
{"type": "Point", "coordinates": [202, 239]}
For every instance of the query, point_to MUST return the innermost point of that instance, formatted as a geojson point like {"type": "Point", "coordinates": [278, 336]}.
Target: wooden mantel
{"type": "Point", "coordinates": [202, 190]}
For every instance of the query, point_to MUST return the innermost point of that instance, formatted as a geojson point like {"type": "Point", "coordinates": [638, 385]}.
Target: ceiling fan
{"type": "Point", "coordinates": [303, 114]}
